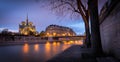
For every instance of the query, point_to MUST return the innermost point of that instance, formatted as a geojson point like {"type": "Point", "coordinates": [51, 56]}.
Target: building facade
{"type": "Point", "coordinates": [55, 30]}
{"type": "Point", "coordinates": [27, 28]}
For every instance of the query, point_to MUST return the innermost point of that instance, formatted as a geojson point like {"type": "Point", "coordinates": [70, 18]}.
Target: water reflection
{"type": "Point", "coordinates": [65, 47]}
{"type": "Point", "coordinates": [54, 43]}
{"type": "Point", "coordinates": [55, 47]}
{"type": "Point", "coordinates": [47, 50]}
{"type": "Point", "coordinates": [80, 42]}
{"type": "Point", "coordinates": [58, 43]}
{"type": "Point", "coordinates": [51, 46]}
{"type": "Point", "coordinates": [36, 47]}
{"type": "Point", "coordinates": [73, 42]}
{"type": "Point", "coordinates": [26, 48]}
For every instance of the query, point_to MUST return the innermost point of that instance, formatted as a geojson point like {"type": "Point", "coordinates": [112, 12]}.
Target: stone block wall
{"type": "Point", "coordinates": [110, 32]}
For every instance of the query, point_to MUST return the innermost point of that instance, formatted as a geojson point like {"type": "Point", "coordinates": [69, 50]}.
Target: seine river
{"type": "Point", "coordinates": [33, 52]}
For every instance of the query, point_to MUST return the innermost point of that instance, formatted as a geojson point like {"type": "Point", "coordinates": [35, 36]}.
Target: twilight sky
{"type": "Point", "coordinates": [13, 12]}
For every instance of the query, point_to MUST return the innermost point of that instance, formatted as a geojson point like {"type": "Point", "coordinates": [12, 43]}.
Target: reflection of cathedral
{"type": "Point", "coordinates": [27, 28]}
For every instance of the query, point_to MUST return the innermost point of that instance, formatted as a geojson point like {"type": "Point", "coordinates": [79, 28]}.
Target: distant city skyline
{"type": "Point", "coordinates": [12, 14]}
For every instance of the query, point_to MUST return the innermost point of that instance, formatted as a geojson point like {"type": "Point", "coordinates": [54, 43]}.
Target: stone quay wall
{"type": "Point", "coordinates": [110, 29]}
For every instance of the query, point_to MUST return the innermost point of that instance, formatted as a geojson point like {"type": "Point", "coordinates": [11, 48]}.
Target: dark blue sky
{"type": "Point", "coordinates": [12, 13]}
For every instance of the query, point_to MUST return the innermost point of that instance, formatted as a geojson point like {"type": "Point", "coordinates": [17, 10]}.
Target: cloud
{"type": "Point", "coordinates": [11, 30]}
{"type": "Point", "coordinates": [1, 29]}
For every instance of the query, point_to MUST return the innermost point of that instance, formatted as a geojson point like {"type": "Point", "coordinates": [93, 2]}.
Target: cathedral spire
{"type": "Point", "coordinates": [27, 19]}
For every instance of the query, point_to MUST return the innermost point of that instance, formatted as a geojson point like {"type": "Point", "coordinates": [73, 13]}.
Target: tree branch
{"type": "Point", "coordinates": [70, 4]}
{"type": "Point", "coordinates": [81, 12]}
{"type": "Point", "coordinates": [82, 5]}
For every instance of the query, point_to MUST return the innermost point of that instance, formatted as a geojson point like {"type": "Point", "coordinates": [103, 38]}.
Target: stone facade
{"type": "Point", "coordinates": [27, 28]}
{"type": "Point", "coordinates": [55, 30]}
{"type": "Point", "coordinates": [110, 28]}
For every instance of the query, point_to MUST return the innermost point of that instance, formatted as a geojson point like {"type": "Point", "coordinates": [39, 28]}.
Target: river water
{"type": "Point", "coordinates": [33, 52]}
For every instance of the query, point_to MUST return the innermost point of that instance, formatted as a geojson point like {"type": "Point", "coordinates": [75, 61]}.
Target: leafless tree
{"type": "Point", "coordinates": [88, 9]}
{"type": "Point", "coordinates": [73, 7]}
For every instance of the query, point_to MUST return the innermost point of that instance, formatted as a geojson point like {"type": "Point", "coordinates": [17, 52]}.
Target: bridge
{"type": "Point", "coordinates": [44, 39]}
{"type": "Point", "coordinates": [64, 38]}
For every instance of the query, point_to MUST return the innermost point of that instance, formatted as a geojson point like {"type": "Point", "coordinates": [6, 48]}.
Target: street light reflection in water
{"type": "Point", "coordinates": [34, 52]}
{"type": "Point", "coordinates": [47, 50]}
{"type": "Point", "coordinates": [49, 46]}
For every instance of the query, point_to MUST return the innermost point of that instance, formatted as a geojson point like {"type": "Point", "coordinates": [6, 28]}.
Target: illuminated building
{"type": "Point", "coordinates": [55, 30]}
{"type": "Point", "coordinates": [27, 28]}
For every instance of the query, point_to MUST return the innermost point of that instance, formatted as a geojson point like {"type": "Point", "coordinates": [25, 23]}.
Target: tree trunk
{"type": "Point", "coordinates": [95, 31]}
{"type": "Point", "coordinates": [87, 40]}
{"type": "Point", "coordinates": [85, 17]}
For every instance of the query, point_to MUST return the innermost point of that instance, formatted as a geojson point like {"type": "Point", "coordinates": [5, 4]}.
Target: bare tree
{"type": "Point", "coordinates": [74, 7]}
{"type": "Point", "coordinates": [86, 11]}
{"type": "Point", "coordinates": [95, 29]}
